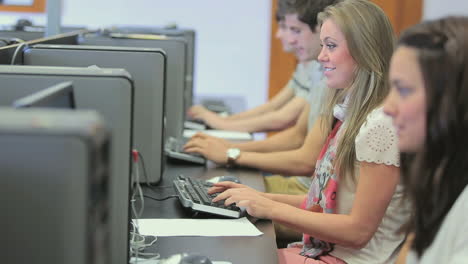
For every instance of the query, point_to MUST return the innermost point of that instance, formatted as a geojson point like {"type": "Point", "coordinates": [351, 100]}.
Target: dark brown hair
{"type": "Point", "coordinates": [435, 176]}
{"type": "Point", "coordinates": [284, 7]}
{"type": "Point", "coordinates": [306, 10]}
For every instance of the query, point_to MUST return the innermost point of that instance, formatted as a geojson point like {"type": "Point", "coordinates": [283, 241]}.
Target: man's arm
{"type": "Point", "coordinates": [300, 161]}
{"type": "Point", "coordinates": [279, 100]}
{"type": "Point", "coordinates": [294, 162]}
{"type": "Point", "coordinates": [270, 121]}
{"type": "Point", "coordinates": [288, 139]}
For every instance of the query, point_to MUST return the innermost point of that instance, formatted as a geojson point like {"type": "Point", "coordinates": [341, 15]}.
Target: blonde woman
{"type": "Point", "coordinates": [353, 208]}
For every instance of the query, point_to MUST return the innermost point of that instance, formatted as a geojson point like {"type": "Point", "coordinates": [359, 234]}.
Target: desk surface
{"type": "Point", "coordinates": [260, 249]}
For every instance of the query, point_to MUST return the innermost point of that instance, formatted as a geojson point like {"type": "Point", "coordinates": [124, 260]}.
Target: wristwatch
{"type": "Point", "coordinates": [232, 155]}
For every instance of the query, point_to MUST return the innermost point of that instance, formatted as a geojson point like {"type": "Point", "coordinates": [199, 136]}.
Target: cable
{"type": "Point", "coordinates": [162, 187]}
{"type": "Point", "coordinates": [145, 174]}
{"type": "Point", "coordinates": [11, 41]}
{"type": "Point", "coordinates": [157, 189]}
{"type": "Point", "coordinates": [17, 50]}
{"type": "Point", "coordinates": [5, 41]}
{"type": "Point", "coordinates": [136, 190]}
{"type": "Point", "coordinates": [137, 241]}
{"type": "Point", "coordinates": [138, 244]}
{"type": "Point", "coordinates": [16, 40]}
{"type": "Point", "coordinates": [162, 199]}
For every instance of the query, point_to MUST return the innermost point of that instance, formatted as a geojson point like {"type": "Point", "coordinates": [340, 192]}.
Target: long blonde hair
{"type": "Point", "coordinates": [371, 41]}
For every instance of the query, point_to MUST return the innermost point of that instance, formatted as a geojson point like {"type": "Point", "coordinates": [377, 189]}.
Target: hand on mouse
{"type": "Point", "coordinates": [210, 147]}
{"type": "Point", "coordinates": [256, 204]}
{"type": "Point", "coordinates": [210, 118]}
{"type": "Point", "coordinates": [197, 112]}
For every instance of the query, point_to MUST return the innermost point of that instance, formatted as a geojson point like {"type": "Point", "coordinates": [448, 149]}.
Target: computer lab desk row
{"type": "Point", "coordinates": [258, 250]}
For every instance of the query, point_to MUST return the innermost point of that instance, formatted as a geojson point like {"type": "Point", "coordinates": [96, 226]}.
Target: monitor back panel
{"type": "Point", "coordinates": [31, 33]}
{"type": "Point", "coordinates": [147, 68]}
{"type": "Point", "coordinates": [189, 35]}
{"type": "Point", "coordinates": [23, 35]}
{"type": "Point", "coordinates": [176, 50]}
{"type": "Point", "coordinates": [109, 91]}
{"type": "Point", "coordinates": [48, 176]}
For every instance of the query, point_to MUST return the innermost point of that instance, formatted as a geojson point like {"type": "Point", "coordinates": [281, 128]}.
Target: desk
{"type": "Point", "coordinates": [238, 250]}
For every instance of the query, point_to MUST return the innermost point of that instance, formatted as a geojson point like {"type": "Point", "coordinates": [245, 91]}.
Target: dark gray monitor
{"type": "Point", "coordinates": [30, 32]}
{"type": "Point", "coordinates": [54, 189]}
{"type": "Point", "coordinates": [147, 68]}
{"type": "Point", "coordinates": [176, 50]}
{"type": "Point", "coordinates": [13, 54]}
{"type": "Point", "coordinates": [22, 35]}
{"type": "Point", "coordinates": [189, 35]}
{"type": "Point", "coordinates": [108, 91]}
{"type": "Point", "coordinates": [57, 96]}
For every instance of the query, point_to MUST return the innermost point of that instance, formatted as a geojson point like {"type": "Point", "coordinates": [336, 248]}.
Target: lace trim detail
{"type": "Point", "coordinates": [377, 141]}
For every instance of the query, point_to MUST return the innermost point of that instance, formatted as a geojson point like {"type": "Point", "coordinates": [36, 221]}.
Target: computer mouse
{"type": "Point", "coordinates": [195, 259]}
{"type": "Point", "coordinates": [222, 178]}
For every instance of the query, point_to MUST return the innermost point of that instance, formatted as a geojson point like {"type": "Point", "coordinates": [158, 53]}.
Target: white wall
{"type": "Point", "coordinates": [439, 8]}
{"type": "Point", "coordinates": [233, 37]}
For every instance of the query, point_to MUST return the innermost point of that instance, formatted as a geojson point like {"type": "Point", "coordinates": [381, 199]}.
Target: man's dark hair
{"type": "Point", "coordinates": [284, 7]}
{"type": "Point", "coordinates": [307, 10]}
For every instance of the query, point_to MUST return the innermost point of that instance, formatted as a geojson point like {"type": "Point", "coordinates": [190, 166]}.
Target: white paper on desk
{"type": "Point", "coordinates": [229, 135]}
{"type": "Point", "coordinates": [197, 227]}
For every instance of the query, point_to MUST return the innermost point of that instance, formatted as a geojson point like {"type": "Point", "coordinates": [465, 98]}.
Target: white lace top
{"type": "Point", "coordinates": [375, 143]}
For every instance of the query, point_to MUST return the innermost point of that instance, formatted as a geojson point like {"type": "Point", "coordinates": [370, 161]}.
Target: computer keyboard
{"type": "Point", "coordinates": [194, 124]}
{"type": "Point", "coordinates": [174, 148]}
{"type": "Point", "coordinates": [193, 194]}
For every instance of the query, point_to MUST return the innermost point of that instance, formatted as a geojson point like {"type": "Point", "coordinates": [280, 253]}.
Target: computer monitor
{"type": "Point", "coordinates": [55, 187]}
{"type": "Point", "coordinates": [110, 93]}
{"type": "Point", "coordinates": [30, 32]}
{"type": "Point", "coordinates": [58, 96]}
{"type": "Point", "coordinates": [23, 35]}
{"type": "Point", "coordinates": [12, 54]}
{"type": "Point", "coordinates": [176, 50]}
{"type": "Point", "coordinates": [189, 35]}
{"type": "Point", "coordinates": [147, 68]}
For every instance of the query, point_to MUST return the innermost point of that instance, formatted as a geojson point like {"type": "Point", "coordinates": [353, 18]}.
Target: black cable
{"type": "Point", "coordinates": [145, 174]}
{"type": "Point", "coordinates": [5, 41]}
{"type": "Point", "coordinates": [158, 189]}
{"type": "Point", "coordinates": [161, 187]}
{"type": "Point", "coordinates": [16, 40]}
{"type": "Point", "coordinates": [11, 41]}
{"type": "Point", "coordinates": [162, 199]}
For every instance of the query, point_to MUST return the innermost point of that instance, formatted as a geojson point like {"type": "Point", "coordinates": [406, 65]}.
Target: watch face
{"type": "Point", "coordinates": [233, 153]}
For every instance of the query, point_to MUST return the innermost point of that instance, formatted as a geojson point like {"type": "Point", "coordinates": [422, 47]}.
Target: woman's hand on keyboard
{"type": "Point", "coordinates": [210, 147]}
{"type": "Point", "coordinates": [255, 202]}
{"type": "Point", "coordinates": [220, 187]}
